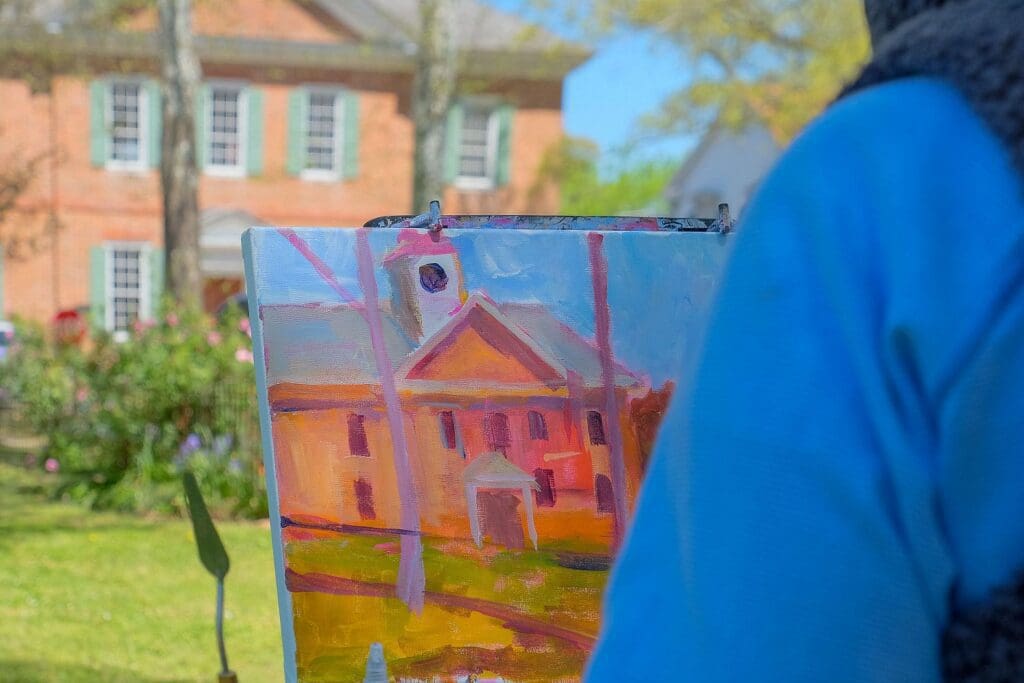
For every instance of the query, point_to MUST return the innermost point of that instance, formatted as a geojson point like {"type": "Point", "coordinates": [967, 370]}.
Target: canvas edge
{"type": "Point", "coordinates": [284, 602]}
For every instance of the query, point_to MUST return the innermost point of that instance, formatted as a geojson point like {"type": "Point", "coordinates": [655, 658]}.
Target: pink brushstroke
{"type": "Point", "coordinates": [321, 268]}
{"type": "Point", "coordinates": [411, 580]}
{"type": "Point", "coordinates": [602, 320]}
{"type": "Point", "coordinates": [412, 242]}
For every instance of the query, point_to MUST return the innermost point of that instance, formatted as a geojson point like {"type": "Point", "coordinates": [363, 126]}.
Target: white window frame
{"type": "Point", "coordinates": [112, 164]}
{"type": "Point", "coordinates": [225, 170]}
{"type": "Point", "coordinates": [322, 174]}
{"type": "Point", "coordinates": [145, 250]}
{"type": "Point", "coordinates": [488, 181]}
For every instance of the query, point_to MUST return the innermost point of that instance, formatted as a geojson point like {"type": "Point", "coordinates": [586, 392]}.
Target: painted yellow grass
{"type": "Point", "coordinates": [333, 632]}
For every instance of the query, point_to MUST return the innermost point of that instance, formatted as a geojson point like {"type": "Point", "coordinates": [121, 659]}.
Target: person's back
{"type": "Point", "coordinates": [844, 475]}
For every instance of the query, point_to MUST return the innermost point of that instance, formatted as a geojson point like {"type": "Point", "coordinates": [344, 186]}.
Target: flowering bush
{"type": "Point", "coordinates": [124, 417]}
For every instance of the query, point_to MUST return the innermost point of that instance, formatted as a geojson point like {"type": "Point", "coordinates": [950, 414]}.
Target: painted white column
{"type": "Point", "coordinates": [474, 515]}
{"type": "Point", "coordinates": [528, 499]}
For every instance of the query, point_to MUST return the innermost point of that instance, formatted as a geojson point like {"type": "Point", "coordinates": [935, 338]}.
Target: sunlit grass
{"type": "Point", "coordinates": [88, 596]}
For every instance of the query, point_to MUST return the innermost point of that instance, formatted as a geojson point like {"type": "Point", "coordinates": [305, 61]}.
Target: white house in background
{"type": "Point", "coordinates": [726, 166]}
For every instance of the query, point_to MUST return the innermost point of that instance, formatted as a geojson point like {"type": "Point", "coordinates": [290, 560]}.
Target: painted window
{"type": "Point", "coordinates": [324, 114]}
{"type": "Point", "coordinates": [433, 279]}
{"type": "Point", "coordinates": [225, 134]}
{"type": "Point", "coordinates": [496, 431]}
{"type": "Point", "coordinates": [538, 427]}
{"type": "Point", "coordinates": [595, 427]}
{"type": "Point", "coordinates": [545, 496]}
{"type": "Point", "coordinates": [604, 493]}
{"type": "Point", "coordinates": [126, 124]}
{"type": "Point", "coordinates": [364, 499]}
{"type": "Point", "coordinates": [449, 437]}
{"type": "Point", "coordinates": [127, 286]}
{"type": "Point", "coordinates": [478, 143]}
{"type": "Point", "coordinates": [357, 443]}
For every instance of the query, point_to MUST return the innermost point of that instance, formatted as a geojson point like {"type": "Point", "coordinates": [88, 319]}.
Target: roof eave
{"type": "Point", "coordinates": [220, 50]}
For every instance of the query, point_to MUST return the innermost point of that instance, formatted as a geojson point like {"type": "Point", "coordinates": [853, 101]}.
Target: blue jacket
{"type": "Point", "coordinates": [848, 457]}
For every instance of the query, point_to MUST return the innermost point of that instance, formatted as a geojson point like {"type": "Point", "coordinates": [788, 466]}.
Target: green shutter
{"type": "Point", "coordinates": [98, 122]}
{"type": "Point", "coordinates": [98, 286]}
{"type": "Point", "coordinates": [298, 101]}
{"type": "Point", "coordinates": [156, 122]}
{"type": "Point", "coordinates": [453, 138]}
{"type": "Point", "coordinates": [202, 105]}
{"type": "Point", "coordinates": [350, 163]}
{"type": "Point", "coordinates": [501, 171]}
{"type": "Point", "coordinates": [254, 134]}
{"type": "Point", "coordinates": [156, 280]}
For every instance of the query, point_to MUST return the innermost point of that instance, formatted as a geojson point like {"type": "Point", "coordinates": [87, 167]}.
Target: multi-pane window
{"type": "Point", "coordinates": [604, 493]}
{"type": "Point", "coordinates": [496, 431]}
{"type": "Point", "coordinates": [545, 493]}
{"type": "Point", "coordinates": [538, 427]}
{"type": "Point", "coordinates": [127, 273]}
{"type": "Point", "coordinates": [224, 140]}
{"type": "Point", "coordinates": [364, 499]}
{"type": "Point", "coordinates": [323, 119]}
{"type": "Point", "coordinates": [449, 437]}
{"type": "Point", "coordinates": [595, 427]}
{"type": "Point", "coordinates": [477, 144]}
{"type": "Point", "coordinates": [126, 123]}
{"type": "Point", "coordinates": [357, 443]}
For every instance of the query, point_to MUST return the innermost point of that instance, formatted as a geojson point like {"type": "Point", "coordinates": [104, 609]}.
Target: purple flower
{"type": "Point", "coordinates": [190, 445]}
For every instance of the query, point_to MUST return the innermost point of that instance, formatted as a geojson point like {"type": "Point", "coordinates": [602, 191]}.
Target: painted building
{"type": "Point", "coordinates": [502, 406]}
{"type": "Point", "coordinates": [304, 119]}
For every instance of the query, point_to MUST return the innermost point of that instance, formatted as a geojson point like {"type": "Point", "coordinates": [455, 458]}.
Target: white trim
{"type": "Point", "coordinates": [337, 172]}
{"type": "Point", "coordinates": [223, 170]}
{"type": "Point", "coordinates": [490, 180]}
{"type": "Point", "coordinates": [475, 301]}
{"type": "Point", "coordinates": [145, 250]}
{"type": "Point", "coordinates": [110, 164]}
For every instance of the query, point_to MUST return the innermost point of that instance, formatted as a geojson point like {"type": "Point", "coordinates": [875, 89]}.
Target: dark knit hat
{"type": "Point", "coordinates": [885, 15]}
{"type": "Point", "coordinates": [975, 45]}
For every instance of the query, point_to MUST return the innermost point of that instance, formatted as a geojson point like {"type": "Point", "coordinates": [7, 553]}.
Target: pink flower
{"type": "Point", "coordinates": [51, 465]}
{"type": "Point", "coordinates": [244, 326]}
{"type": "Point", "coordinates": [213, 338]}
{"type": "Point", "coordinates": [81, 394]}
{"type": "Point", "coordinates": [243, 356]}
{"type": "Point", "coordinates": [141, 326]}
{"type": "Point", "coordinates": [172, 319]}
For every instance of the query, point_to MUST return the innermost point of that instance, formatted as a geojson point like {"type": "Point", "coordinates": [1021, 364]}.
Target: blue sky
{"type": "Point", "coordinates": [660, 284]}
{"type": "Point", "coordinates": [629, 75]}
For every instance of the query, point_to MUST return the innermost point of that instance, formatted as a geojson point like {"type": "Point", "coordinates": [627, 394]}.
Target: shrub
{"type": "Point", "coordinates": [124, 417]}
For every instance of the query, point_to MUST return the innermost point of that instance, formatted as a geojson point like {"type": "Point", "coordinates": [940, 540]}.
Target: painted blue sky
{"type": "Point", "coordinates": [660, 284]}
{"type": "Point", "coordinates": [629, 75]}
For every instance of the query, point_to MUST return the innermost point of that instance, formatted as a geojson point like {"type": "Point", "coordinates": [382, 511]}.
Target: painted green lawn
{"type": "Point", "coordinates": [525, 579]}
{"type": "Point", "coordinates": [87, 596]}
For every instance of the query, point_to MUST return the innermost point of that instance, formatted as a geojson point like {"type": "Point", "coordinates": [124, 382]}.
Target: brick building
{"type": "Point", "coordinates": [304, 119]}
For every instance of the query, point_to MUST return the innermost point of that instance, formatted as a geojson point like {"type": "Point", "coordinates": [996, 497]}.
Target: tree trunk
{"type": "Point", "coordinates": [179, 173]}
{"type": "Point", "coordinates": [433, 88]}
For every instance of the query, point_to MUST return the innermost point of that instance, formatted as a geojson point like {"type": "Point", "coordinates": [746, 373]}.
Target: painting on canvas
{"type": "Point", "coordinates": [456, 425]}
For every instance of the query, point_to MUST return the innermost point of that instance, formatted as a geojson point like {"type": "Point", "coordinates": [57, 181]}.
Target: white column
{"type": "Point", "coordinates": [528, 499]}
{"type": "Point", "coordinates": [474, 514]}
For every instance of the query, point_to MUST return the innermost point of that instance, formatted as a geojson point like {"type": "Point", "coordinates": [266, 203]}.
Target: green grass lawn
{"type": "Point", "coordinates": [88, 596]}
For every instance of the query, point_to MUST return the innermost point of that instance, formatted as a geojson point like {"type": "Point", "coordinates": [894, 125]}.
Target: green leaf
{"type": "Point", "coordinates": [211, 550]}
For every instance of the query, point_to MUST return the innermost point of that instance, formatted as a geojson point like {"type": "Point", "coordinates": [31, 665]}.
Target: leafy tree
{"type": "Point", "coordinates": [774, 61]}
{"type": "Point", "coordinates": [629, 187]}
